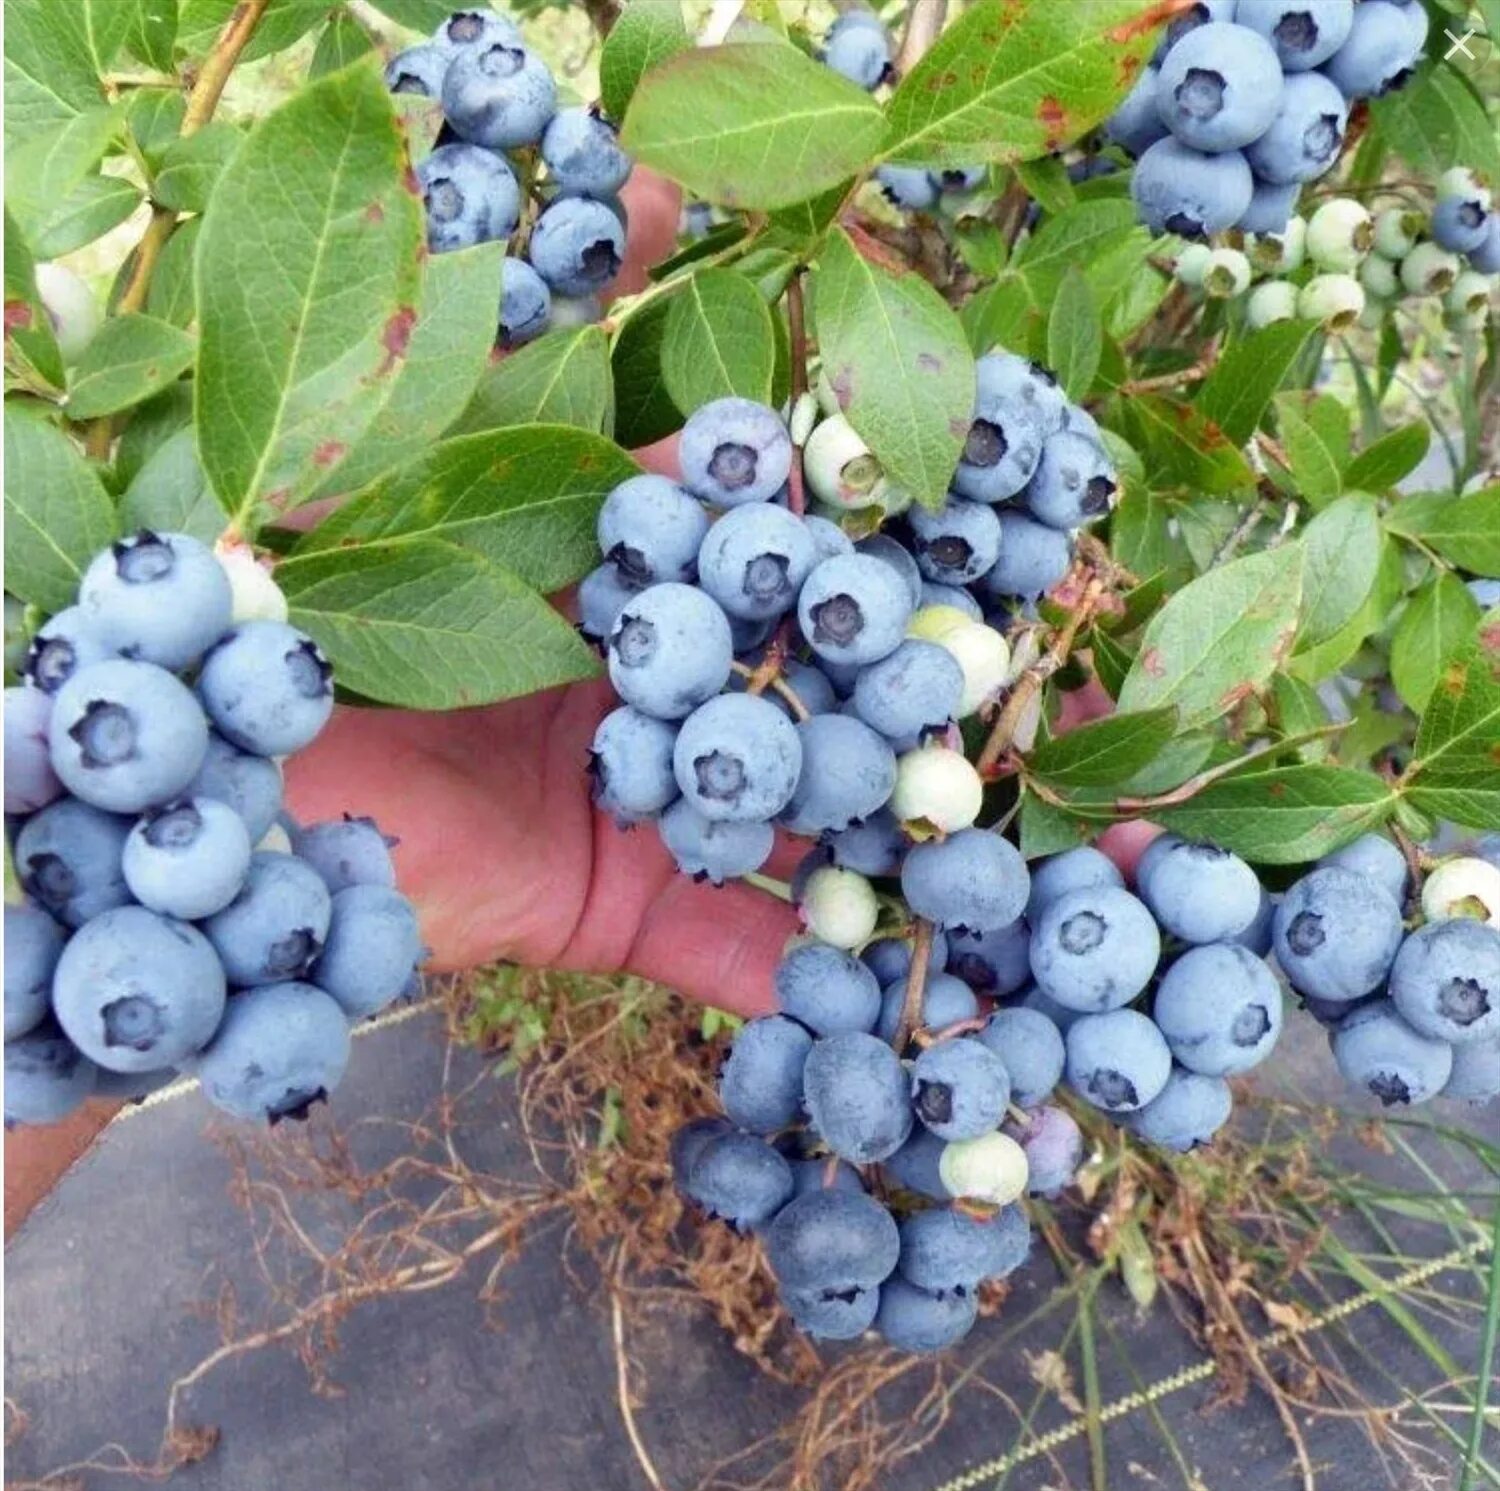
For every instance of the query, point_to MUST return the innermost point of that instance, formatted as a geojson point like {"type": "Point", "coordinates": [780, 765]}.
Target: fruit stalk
{"type": "Point", "coordinates": [916, 983]}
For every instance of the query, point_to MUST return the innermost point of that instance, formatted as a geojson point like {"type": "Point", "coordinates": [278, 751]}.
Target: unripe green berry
{"type": "Point", "coordinates": [1273, 300]}
{"type": "Point", "coordinates": [1429, 270]}
{"type": "Point", "coordinates": [1379, 278]}
{"type": "Point", "coordinates": [840, 468]}
{"type": "Point", "coordinates": [1339, 235]}
{"type": "Point", "coordinates": [937, 787]}
{"type": "Point", "coordinates": [255, 595]}
{"type": "Point", "coordinates": [933, 623]}
{"type": "Point", "coordinates": [804, 417]}
{"type": "Point", "coordinates": [1192, 263]}
{"type": "Point", "coordinates": [991, 1168]}
{"type": "Point", "coordinates": [1467, 886]}
{"type": "Point", "coordinates": [1469, 295]}
{"type": "Point", "coordinates": [1397, 230]}
{"type": "Point", "coordinates": [1283, 252]}
{"type": "Point", "coordinates": [71, 307]}
{"type": "Point", "coordinates": [984, 656]}
{"type": "Point", "coordinates": [1334, 299]}
{"type": "Point", "coordinates": [1227, 274]}
{"type": "Point", "coordinates": [839, 907]}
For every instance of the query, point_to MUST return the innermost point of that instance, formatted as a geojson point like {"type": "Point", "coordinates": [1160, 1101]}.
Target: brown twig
{"type": "Point", "coordinates": [1194, 374]}
{"type": "Point", "coordinates": [916, 984]}
{"type": "Point", "coordinates": [924, 24]}
{"type": "Point", "coordinates": [796, 317]}
{"type": "Point", "coordinates": [1242, 530]}
{"type": "Point", "coordinates": [757, 684]}
{"type": "Point", "coordinates": [603, 14]}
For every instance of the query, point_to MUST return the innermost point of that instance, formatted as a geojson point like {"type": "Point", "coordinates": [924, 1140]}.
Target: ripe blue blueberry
{"type": "Point", "coordinates": [959, 1088]}
{"type": "Point", "coordinates": [476, 26]}
{"type": "Point", "coordinates": [961, 179]}
{"type": "Point", "coordinates": [1180, 190]}
{"type": "Point", "coordinates": [275, 928]}
{"type": "Point", "coordinates": [46, 1077]}
{"type": "Point", "coordinates": [737, 758]}
{"type": "Point", "coordinates": [911, 1319]}
{"type": "Point", "coordinates": [754, 560]}
{"type": "Point", "coordinates": [1059, 1014]}
{"type": "Point", "coordinates": [1219, 1008]}
{"type": "Point", "coordinates": [994, 961]}
{"type": "Point", "coordinates": [1376, 856]}
{"type": "Point", "coordinates": [1270, 210]}
{"type": "Point", "coordinates": [650, 529]}
{"type": "Point", "coordinates": [910, 187]}
{"type": "Point", "coordinates": [944, 1250]}
{"type": "Point", "coordinates": [829, 540]}
{"type": "Point", "coordinates": [68, 860]}
{"type": "Point", "coordinates": [1074, 482]}
{"type": "Point", "coordinates": [1187, 1112]}
{"type": "Point", "coordinates": [60, 647]}
{"type": "Point", "coordinates": [126, 736]}
{"type": "Point", "coordinates": [889, 958]}
{"type": "Point", "coordinates": [1033, 558]}
{"type": "Point", "coordinates": [1461, 223]}
{"type": "Point", "coordinates": [30, 781]}
{"type": "Point", "coordinates": [958, 543]}
{"type": "Point", "coordinates": [687, 1143]}
{"type": "Point", "coordinates": [471, 196]}
{"type": "Point", "coordinates": [1336, 931]}
{"type": "Point", "coordinates": [760, 1087]}
{"type": "Point", "coordinates": [735, 451]}
{"type": "Point", "coordinates": [1304, 33]}
{"type": "Point", "coordinates": [1304, 139]}
{"type": "Point", "coordinates": [1475, 1077]}
{"type": "Point", "coordinates": [826, 989]}
{"type": "Point", "coordinates": [1053, 1146]}
{"type": "Point", "coordinates": [871, 846]}
{"type": "Point", "coordinates": [740, 1179]}
{"type": "Point", "coordinates": [833, 1314]}
{"type": "Point", "coordinates": [1200, 893]}
{"type": "Point", "coordinates": [858, 48]}
{"type": "Point", "coordinates": [890, 551]}
{"type": "Point", "coordinates": [282, 1048]}
{"type": "Point", "coordinates": [945, 1001]}
{"type": "Point", "coordinates": [525, 303]}
{"type": "Point", "coordinates": [1486, 258]}
{"type": "Point", "coordinates": [952, 595]}
{"type": "Point", "coordinates": [267, 688]}
{"type": "Point", "coordinates": [914, 1167]}
{"type": "Point", "coordinates": [1004, 442]}
{"type": "Point", "coordinates": [582, 152]}
{"type": "Point", "coordinates": [1031, 1048]}
{"type": "Point", "coordinates": [972, 879]}
{"type": "Point", "coordinates": [713, 850]}
{"type": "Point", "coordinates": [372, 950]}
{"type": "Point", "coordinates": [1136, 125]}
{"type": "Point", "coordinates": [157, 597]}
{"type": "Point", "coordinates": [670, 649]}
{"type": "Point", "coordinates": [1219, 87]}
{"type": "Point", "coordinates": [1382, 48]}
{"type": "Point", "coordinates": [1446, 981]}
{"type": "Point", "coordinates": [1076, 869]}
{"type": "Point", "coordinates": [346, 851]}
{"type": "Point", "coordinates": [136, 991]}
{"type": "Point", "coordinates": [854, 609]}
{"type": "Point", "coordinates": [1377, 1050]}
{"type": "Point", "coordinates": [1198, 14]}
{"type": "Point", "coordinates": [577, 246]}
{"type": "Point", "coordinates": [832, 1240]}
{"type": "Point", "coordinates": [1257, 936]}
{"type": "Point", "coordinates": [187, 859]}
{"type": "Point", "coordinates": [602, 595]}
{"type": "Point", "coordinates": [33, 944]}
{"type": "Point", "coordinates": [1094, 949]}
{"type": "Point", "coordinates": [631, 761]}
{"type": "Point", "coordinates": [855, 1090]}
{"type": "Point", "coordinates": [249, 784]}
{"type": "Point", "coordinates": [1118, 1061]}
{"type": "Point", "coordinates": [499, 95]}
{"type": "Point", "coordinates": [418, 70]}
{"type": "Point", "coordinates": [846, 774]}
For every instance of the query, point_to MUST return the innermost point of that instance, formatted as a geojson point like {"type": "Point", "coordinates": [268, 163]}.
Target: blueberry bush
{"type": "Point", "coordinates": [1078, 418]}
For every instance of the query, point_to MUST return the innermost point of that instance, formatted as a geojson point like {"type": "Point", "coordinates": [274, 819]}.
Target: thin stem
{"type": "Point", "coordinates": [782, 687]}
{"type": "Point", "coordinates": [1194, 374]}
{"type": "Point", "coordinates": [916, 984]}
{"type": "Point", "coordinates": [797, 326]}
{"type": "Point", "coordinates": [1242, 529]}
{"type": "Point", "coordinates": [924, 24]}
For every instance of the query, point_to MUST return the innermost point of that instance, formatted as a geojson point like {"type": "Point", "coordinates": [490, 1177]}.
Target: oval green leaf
{"type": "Point", "coordinates": [718, 341]}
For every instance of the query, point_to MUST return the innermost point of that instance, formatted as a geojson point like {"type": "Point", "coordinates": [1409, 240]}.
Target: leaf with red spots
{"type": "Point", "coordinates": [29, 343]}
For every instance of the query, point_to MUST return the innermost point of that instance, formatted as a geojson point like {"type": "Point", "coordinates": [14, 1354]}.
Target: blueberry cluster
{"type": "Point", "coordinates": [1345, 264]}
{"type": "Point", "coordinates": [1247, 100]}
{"type": "Point", "coordinates": [1410, 1015]}
{"type": "Point", "coordinates": [502, 121]}
{"type": "Point", "coordinates": [175, 919]}
{"type": "Point", "coordinates": [883, 1166]}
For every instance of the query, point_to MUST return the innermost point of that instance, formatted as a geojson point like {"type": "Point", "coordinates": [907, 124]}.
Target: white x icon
{"type": "Point", "coordinates": [1458, 44]}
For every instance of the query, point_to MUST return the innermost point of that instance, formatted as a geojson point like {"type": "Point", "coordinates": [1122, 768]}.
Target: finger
{"type": "Point", "coordinates": [653, 205]}
{"type": "Point", "coordinates": [1124, 843]}
{"type": "Point", "coordinates": [661, 457]}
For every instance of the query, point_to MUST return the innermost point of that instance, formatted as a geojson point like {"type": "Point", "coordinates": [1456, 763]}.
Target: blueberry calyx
{"type": "Point", "coordinates": [986, 444]}
{"type": "Point", "coordinates": [311, 674]}
{"type": "Point", "coordinates": [838, 620]}
{"type": "Point", "coordinates": [105, 735]}
{"type": "Point", "coordinates": [1305, 935]}
{"type": "Point", "coordinates": [732, 465]}
{"type": "Point", "coordinates": [1200, 95]}
{"type": "Point", "coordinates": [935, 1102]}
{"type": "Point", "coordinates": [1463, 1000]}
{"type": "Point", "coordinates": [143, 558]}
{"type": "Point", "coordinates": [175, 826]}
{"type": "Point", "coordinates": [134, 1021]}
{"type": "Point", "coordinates": [1296, 31]}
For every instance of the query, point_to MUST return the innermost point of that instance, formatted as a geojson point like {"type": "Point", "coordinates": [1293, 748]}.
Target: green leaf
{"type": "Point", "coordinates": [751, 126]}
{"type": "Point", "coordinates": [645, 33]}
{"type": "Point", "coordinates": [1315, 432]}
{"type": "Point", "coordinates": [170, 492]}
{"type": "Point", "coordinates": [57, 513]}
{"type": "Point", "coordinates": [308, 282]}
{"type": "Point", "coordinates": [1001, 315]}
{"type": "Point", "coordinates": [1050, 830]}
{"type": "Point", "coordinates": [1343, 546]}
{"type": "Point", "coordinates": [1314, 664]}
{"type": "Point", "coordinates": [150, 427]}
{"type": "Point", "coordinates": [151, 30]}
{"type": "Point", "coordinates": [1016, 79]}
{"type": "Point", "coordinates": [1142, 535]}
{"type": "Point", "coordinates": [155, 118]}
{"type": "Point", "coordinates": [1298, 711]}
{"type": "Point", "coordinates": [343, 40]}
{"type": "Point", "coordinates": [190, 167]}
{"type": "Point", "coordinates": [1438, 618]}
{"type": "Point", "coordinates": [1103, 753]}
{"type": "Point", "coordinates": [644, 411]}
{"type": "Point", "coordinates": [1047, 183]}
{"type": "Point", "coordinates": [899, 363]}
{"type": "Point", "coordinates": [173, 295]}
{"type": "Point", "coordinates": [415, 15]}
{"type": "Point", "coordinates": [50, 71]}
{"type": "Point", "coordinates": [1382, 464]}
{"type": "Point", "coordinates": [718, 341]}
{"type": "Point", "coordinates": [200, 23]}
{"type": "Point", "coordinates": [1284, 815]}
{"type": "Point", "coordinates": [1219, 639]}
{"type": "Point", "coordinates": [41, 173]}
{"type": "Point", "coordinates": [806, 222]}
{"type": "Point", "coordinates": [1080, 236]}
{"type": "Point", "coordinates": [1074, 337]}
{"type": "Point", "coordinates": [445, 359]}
{"type": "Point", "coordinates": [560, 379]}
{"type": "Point", "coordinates": [1455, 770]}
{"type": "Point", "coordinates": [1436, 122]}
{"type": "Point", "coordinates": [88, 212]}
{"type": "Point", "coordinates": [1464, 530]}
{"type": "Point", "coordinates": [1189, 448]}
{"type": "Point", "coordinates": [130, 359]}
{"type": "Point", "coordinates": [525, 497]}
{"type": "Point", "coordinates": [1239, 389]}
{"type": "Point", "coordinates": [428, 625]}
{"type": "Point", "coordinates": [28, 329]}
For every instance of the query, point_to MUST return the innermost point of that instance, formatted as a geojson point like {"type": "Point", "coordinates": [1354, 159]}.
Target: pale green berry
{"type": "Point", "coordinates": [1429, 270]}
{"type": "Point", "coordinates": [991, 1168]}
{"type": "Point", "coordinates": [1227, 274]}
{"type": "Point", "coordinates": [1274, 300]}
{"type": "Point", "coordinates": [933, 623]}
{"type": "Point", "coordinates": [1379, 278]}
{"type": "Point", "coordinates": [1334, 299]}
{"type": "Point", "coordinates": [1469, 320]}
{"type": "Point", "coordinates": [1339, 235]}
{"type": "Point", "coordinates": [824, 393]}
{"type": "Point", "coordinates": [71, 307]}
{"type": "Point", "coordinates": [1469, 295]}
{"type": "Point", "coordinates": [1467, 886]}
{"type": "Point", "coordinates": [938, 788]}
{"type": "Point", "coordinates": [254, 595]}
{"type": "Point", "coordinates": [1372, 318]}
{"type": "Point", "coordinates": [1397, 230]}
{"type": "Point", "coordinates": [984, 656]}
{"type": "Point", "coordinates": [804, 416]}
{"type": "Point", "coordinates": [1283, 252]}
{"type": "Point", "coordinates": [839, 907]}
{"type": "Point", "coordinates": [840, 468]}
{"type": "Point", "coordinates": [1191, 264]}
